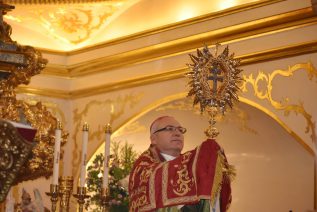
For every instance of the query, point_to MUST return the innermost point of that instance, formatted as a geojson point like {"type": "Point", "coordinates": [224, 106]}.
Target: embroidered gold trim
{"type": "Point", "coordinates": [195, 165]}
{"type": "Point", "coordinates": [152, 202]}
{"type": "Point", "coordinates": [217, 178]}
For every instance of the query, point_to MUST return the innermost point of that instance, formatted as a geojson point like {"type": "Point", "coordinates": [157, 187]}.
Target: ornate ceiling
{"type": "Point", "coordinates": [65, 25]}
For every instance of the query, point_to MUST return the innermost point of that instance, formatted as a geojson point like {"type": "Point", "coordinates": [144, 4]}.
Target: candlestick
{"type": "Point", "coordinates": [108, 132]}
{"type": "Point", "coordinates": [81, 196]}
{"type": "Point", "coordinates": [54, 193]}
{"type": "Point", "coordinates": [84, 155]}
{"type": "Point", "coordinates": [57, 146]}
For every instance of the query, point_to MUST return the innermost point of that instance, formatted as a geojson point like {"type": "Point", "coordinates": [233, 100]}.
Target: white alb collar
{"type": "Point", "coordinates": [167, 157]}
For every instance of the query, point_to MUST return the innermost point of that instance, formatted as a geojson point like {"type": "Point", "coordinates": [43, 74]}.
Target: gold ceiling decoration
{"type": "Point", "coordinates": [17, 65]}
{"type": "Point", "coordinates": [69, 25]}
{"type": "Point", "coordinates": [285, 104]}
{"type": "Point", "coordinates": [214, 83]}
{"type": "Point", "coordinates": [55, 1]}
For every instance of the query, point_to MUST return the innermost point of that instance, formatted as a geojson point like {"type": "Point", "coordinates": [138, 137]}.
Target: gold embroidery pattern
{"type": "Point", "coordinates": [284, 104]}
{"type": "Point", "coordinates": [177, 200]}
{"type": "Point", "coordinates": [152, 189]}
{"type": "Point", "coordinates": [142, 163]}
{"type": "Point", "coordinates": [143, 203]}
{"type": "Point", "coordinates": [145, 174]}
{"type": "Point", "coordinates": [142, 200]}
{"type": "Point", "coordinates": [184, 182]}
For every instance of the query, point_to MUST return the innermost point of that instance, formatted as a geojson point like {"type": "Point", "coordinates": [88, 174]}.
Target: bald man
{"type": "Point", "coordinates": [163, 179]}
{"type": "Point", "coordinates": [167, 135]}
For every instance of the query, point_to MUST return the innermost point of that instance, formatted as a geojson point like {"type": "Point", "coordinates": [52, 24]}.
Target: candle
{"type": "Point", "coordinates": [84, 155]}
{"type": "Point", "coordinates": [108, 132]}
{"type": "Point", "coordinates": [57, 146]}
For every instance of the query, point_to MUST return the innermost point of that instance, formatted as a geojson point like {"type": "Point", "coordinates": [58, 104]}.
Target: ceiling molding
{"type": "Point", "coordinates": [257, 57]}
{"type": "Point", "coordinates": [299, 18]}
{"type": "Point", "coordinates": [278, 53]}
{"type": "Point", "coordinates": [56, 70]}
{"type": "Point", "coordinates": [55, 93]}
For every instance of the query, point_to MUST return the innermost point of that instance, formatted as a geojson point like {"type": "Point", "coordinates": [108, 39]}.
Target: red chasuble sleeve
{"type": "Point", "coordinates": [202, 173]}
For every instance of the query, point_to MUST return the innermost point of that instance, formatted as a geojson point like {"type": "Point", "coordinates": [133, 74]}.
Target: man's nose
{"type": "Point", "coordinates": [177, 132]}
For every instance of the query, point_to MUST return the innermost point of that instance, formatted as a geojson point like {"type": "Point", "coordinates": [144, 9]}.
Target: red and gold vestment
{"type": "Point", "coordinates": [202, 173]}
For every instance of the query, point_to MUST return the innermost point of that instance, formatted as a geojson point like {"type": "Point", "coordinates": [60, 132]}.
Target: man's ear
{"type": "Point", "coordinates": [153, 139]}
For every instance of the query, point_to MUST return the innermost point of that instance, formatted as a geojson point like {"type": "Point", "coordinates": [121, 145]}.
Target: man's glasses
{"type": "Point", "coordinates": [172, 129]}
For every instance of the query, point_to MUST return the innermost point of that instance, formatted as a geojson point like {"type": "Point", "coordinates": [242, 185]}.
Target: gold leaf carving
{"type": "Point", "coordinates": [51, 106]}
{"type": "Point", "coordinates": [265, 92]}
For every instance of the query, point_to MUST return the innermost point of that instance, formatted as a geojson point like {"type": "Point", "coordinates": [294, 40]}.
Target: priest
{"type": "Point", "coordinates": [164, 179]}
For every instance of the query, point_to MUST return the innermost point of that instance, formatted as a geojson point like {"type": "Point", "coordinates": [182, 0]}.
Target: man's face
{"type": "Point", "coordinates": [168, 142]}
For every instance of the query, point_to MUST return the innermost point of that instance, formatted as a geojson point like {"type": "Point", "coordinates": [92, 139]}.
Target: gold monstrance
{"type": "Point", "coordinates": [214, 83]}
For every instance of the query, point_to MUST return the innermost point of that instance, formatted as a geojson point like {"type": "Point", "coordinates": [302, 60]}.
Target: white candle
{"type": "Point", "coordinates": [107, 156]}
{"type": "Point", "coordinates": [84, 155]}
{"type": "Point", "coordinates": [57, 147]}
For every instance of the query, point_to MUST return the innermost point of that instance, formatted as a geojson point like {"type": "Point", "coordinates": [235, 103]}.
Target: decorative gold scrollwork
{"type": "Point", "coordinates": [284, 105]}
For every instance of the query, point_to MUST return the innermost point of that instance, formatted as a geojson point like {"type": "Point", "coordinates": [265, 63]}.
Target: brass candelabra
{"type": "Point", "coordinates": [54, 193]}
{"type": "Point", "coordinates": [81, 196]}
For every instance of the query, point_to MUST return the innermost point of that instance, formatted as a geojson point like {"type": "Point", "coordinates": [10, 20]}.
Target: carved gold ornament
{"type": "Point", "coordinates": [214, 83]}
{"type": "Point", "coordinates": [14, 151]}
{"type": "Point", "coordinates": [20, 63]}
{"type": "Point", "coordinates": [285, 104]}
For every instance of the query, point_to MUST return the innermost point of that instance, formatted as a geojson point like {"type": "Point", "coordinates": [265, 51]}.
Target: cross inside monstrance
{"type": "Point", "coordinates": [215, 77]}
{"type": "Point", "coordinates": [215, 86]}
